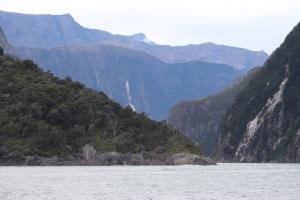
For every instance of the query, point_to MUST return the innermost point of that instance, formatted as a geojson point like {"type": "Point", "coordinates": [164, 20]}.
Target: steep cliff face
{"type": "Point", "coordinates": [48, 31]}
{"type": "Point", "coordinates": [4, 44]}
{"type": "Point", "coordinates": [264, 123]}
{"type": "Point", "coordinates": [134, 78]}
{"type": "Point", "coordinates": [201, 120]}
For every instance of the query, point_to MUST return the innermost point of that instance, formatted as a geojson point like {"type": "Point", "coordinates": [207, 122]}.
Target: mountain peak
{"type": "Point", "coordinates": [292, 40]}
{"type": "Point", "coordinates": [141, 37]}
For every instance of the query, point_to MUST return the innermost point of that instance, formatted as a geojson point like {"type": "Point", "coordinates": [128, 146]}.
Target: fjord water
{"type": "Point", "coordinates": [223, 181]}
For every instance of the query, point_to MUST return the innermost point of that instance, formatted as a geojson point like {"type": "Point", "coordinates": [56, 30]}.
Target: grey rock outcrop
{"type": "Point", "coordinates": [90, 157]}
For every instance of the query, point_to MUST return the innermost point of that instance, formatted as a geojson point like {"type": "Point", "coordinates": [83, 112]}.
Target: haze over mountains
{"type": "Point", "coordinates": [127, 68]}
{"type": "Point", "coordinates": [46, 31]}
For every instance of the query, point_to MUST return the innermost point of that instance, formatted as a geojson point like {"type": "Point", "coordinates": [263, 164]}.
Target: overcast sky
{"type": "Point", "coordinates": [252, 24]}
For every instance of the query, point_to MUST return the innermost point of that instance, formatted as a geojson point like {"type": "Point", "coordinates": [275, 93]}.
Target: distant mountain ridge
{"type": "Point", "coordinates": [241, 59]}
{"type": "Point", "coordinates": [48, 31]}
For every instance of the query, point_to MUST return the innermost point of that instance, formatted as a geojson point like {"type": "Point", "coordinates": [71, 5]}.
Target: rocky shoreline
{"type": "Point", "coordinates": [89, 157]}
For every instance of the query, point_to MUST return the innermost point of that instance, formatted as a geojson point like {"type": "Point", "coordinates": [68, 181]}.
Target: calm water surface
{"type": "Point", "coordinates": [224, 181]}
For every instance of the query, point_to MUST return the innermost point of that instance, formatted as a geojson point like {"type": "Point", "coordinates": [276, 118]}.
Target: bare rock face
{"type": "Point", "coordinates": [89, 152]}
{"type": "Point", "coordinates": [263, 123]}
{"type": "Point", "coordinates": [4, 44]}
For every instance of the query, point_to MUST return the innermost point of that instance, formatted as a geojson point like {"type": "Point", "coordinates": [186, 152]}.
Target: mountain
{"type": "Point", "coordinates": [241, 59]}
{"type": "Point", "coordinates": [43, 117]}
{"type": "Point", "coordinates": [133, 77]}
{"type": "Point", "coordinates": [48, 31]}
{"type": "Point", "coordinates": [263, 124]}
{"type": "Point", "coordinates": [141, 37]}
{"type": "Point", "coordinates": [202, 119]}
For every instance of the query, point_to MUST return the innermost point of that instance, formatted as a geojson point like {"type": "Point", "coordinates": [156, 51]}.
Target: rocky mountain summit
{"type": "Point", "coordinates": [141, 37]}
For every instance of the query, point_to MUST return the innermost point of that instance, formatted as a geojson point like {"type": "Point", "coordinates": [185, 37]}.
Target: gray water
{"type": "Point", "coordinates": [224, 181]}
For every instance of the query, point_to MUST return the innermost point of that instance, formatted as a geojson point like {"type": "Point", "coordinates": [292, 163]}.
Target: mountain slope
{"type": "Point", "coordinates": [132, 77]}
{"type": "Point", "coordinates": [48, 31]}
{"type": "Point", "coordinates": [264, 123]}
{"type": "Point", "coordinates": [46, 116]}
{"type": "Point", "coordinates": [201, 120]}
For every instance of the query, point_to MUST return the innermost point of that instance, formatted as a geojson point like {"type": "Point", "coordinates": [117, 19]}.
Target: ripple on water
{"type": "Point", "coordinates": [224, 181]}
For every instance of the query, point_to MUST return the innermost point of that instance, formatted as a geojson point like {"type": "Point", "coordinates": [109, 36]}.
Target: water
{"type": "Point", "coordinates": [224, 181]}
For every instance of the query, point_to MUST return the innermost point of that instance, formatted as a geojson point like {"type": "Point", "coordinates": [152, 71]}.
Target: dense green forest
{"type": "Point", "coordinates": [43, 115]}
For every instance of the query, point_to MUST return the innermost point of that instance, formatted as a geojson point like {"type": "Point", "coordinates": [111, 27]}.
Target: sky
{"type": "Point", "coordinates": [252, 24]}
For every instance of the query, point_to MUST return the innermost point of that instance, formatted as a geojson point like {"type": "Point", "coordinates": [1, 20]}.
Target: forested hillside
{"type": "Point", "coordinates": [44, 115]}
